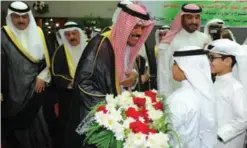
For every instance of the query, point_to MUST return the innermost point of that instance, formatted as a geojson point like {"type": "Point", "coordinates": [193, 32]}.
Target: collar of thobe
{"type": "Point", "coordinates": [186, 33]}
{"type": "Point", "coordinates": [78, 47]}
{"type": "Point", "coordinates": [23, 39]}
{"type": "Point", "coordinates": [224, 77]}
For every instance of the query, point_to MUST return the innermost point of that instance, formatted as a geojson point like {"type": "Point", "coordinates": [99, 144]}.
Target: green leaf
{"type": "Point", "coordinates": [119, 144]}
{"type": "Point", "coordinates": [102, 139]}
{"type": "Point", "coordinates": [91, 130]}
{"type": "Point", "coordinates": [114, 143]}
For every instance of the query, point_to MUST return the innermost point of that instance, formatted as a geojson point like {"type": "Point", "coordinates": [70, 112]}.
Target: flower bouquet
{"type": "Point", "coordinates": [129, 120]}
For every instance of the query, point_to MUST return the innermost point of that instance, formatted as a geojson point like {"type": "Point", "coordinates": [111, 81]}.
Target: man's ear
{"type": "Point", "coordinates": [228, 61]}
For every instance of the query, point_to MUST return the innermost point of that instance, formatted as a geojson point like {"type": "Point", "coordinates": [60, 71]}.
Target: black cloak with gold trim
{"type": "Point", "coordinates": [95, 77]}
{"type": "Point", "coordinates": [23, 123]}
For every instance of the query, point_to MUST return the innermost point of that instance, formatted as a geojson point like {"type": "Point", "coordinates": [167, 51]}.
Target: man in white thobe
{"type": "Point", "coordinates": [184, 32]}
{"type": "Point", "coordinates": [230, 91]}
{"type": "Point", "coordinates": [192, 106]}
{"type": "Point", "coordinates": [213, 28]}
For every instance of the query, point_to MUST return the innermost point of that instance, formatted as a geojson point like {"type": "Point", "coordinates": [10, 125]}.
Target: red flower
{"type": "Point", "coordinates": [102, 108]}
{"type": "Point", "coordinates": [138, 126]}
{"type": "Point", "coordinates": [144, 113]}
{"type": "Point", "coordinates": [152, 95]}
{"type": "Point", "coordinates": [153, 131]}
{"type": "Point", "coordinates": [131, 112]}
{"type": "Point", "coordinates": [139, 101]}
{"type": "Point", "coordinates": [158, 106]}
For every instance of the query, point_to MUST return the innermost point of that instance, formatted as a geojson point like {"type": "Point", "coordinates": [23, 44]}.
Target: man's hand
{"type": "Point", "coordinates": [130, 80]}
{"type": "Point", "coordinates": [145, 77]}
{"type": "Point", "coordinates": [70, 86]}
{"type": "Point", "coordinates": [39, 85]}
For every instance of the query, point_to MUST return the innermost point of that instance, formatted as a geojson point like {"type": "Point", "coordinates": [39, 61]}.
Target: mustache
{"type": "Point", "coordinates": [193, 24]}
{"type": "Point", "coordinates": [137, 35]}
{"type": "Point", "coordinates": [21, 23]}
{"type": "Point", "coordinates": [72, 40]}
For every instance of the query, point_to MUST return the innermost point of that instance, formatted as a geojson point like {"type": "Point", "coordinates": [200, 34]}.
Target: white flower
{"type": "Point", "coordinates": [135, 141]}
{"type": "Point", "coordinates": [125, 102]}
{"type": "Point", "coordinates": [116, 114]}
{"type": "Point", "coordinates": [155, 114]}
{"type": "Point", "coordinates": [150, 107]}
{"type": "Point", "coordinates": [155, 91]}
{"type": "Point", "coordinates": [139, 94]}
{"type": "Point", "coordinates": [148, 100]}
{"type": "Point", "coordinates": [118, 131]}
{"type": "Point", "coordinates": [100, 118]}
{"type": "Point", "coordinates": [139, 140]}
{"type": "Point", "coordinates": [105, 120]}
{"type": "Point", "coordinates": [158, 140]}
{"type": "Point", "coordinates": [110, 107]}
{"type": "Point", "coordinates": [129, 141]}
{"type": "Point", "coordinates": [127, 122]}
{"type": "Point", "coordinates": [126, 94]}
{"type": "Point", "coordinates": [142, 119]}
{"type": "Point", "coordinates": [111, 100]}
{"type": "Point", "coordinates": [111, 122]}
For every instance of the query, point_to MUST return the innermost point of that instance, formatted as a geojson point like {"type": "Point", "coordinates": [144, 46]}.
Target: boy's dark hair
{"type": "Point", "coordinates": [230, 56]}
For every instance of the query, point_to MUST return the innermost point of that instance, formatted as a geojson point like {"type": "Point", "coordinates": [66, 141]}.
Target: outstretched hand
{"type": "Point", "coordinates": [130, 80]}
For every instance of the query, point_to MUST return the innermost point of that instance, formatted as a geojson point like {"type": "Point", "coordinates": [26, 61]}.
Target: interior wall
{"type": "Point", "coordinates": [103, 9]}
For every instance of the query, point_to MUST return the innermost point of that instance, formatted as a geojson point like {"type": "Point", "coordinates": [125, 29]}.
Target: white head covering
{"type": "Point", "coordinates": [164, 28]}
{"type": "Point", "coordinates": [70, 26]}
{"type": "Point", "coordinates": [230, 32]}
{"type": "Point", "coordinates": [228, 47]}
{"type": "Point", "coordinates": [213, 22]}
{"type": "Point", "coordinates": [117, 11]}
{"type": "Point", "coordinates": [30, 38]}
{"type": "Point", "coordinates": [95, 32]}
{"type": "Point", "coordinates": [245, 42]}
{"type": "Point", "coordinates": [194, 63]}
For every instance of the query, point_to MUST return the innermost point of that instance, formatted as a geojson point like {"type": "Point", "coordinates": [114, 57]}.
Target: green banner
{"type": "Point", "coordinates": [234, 13]}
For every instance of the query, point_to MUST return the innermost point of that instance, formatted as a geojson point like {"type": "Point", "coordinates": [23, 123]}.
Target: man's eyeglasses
{"type": "Point", "coordinates": [211, 58]}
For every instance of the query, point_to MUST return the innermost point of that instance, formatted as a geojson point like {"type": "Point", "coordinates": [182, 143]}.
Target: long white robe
{"type": "Point", "coordinates": [76, 53]}
{"type": "Point", "coordinates": [44, 74]}
{"type": "Point", "coordinates": [185, 116]}
{"type": "Point", "coordinates": [232, 111]}
{"type": "Point", "coordinates": [166, 84]}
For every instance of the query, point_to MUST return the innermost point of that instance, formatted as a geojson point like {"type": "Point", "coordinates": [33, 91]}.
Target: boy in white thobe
{"type": "Point", "coordinates": [230, 91]}
{"type": "Point", "coordinates": [192, 106]}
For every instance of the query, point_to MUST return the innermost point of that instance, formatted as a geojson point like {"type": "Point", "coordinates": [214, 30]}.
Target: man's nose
{"type": "Point", "coordinates": [139, 30]}
{"type": "Point", "coordinates": [20, 19]}
{"type": "Point", "coordinates": [194, 20]}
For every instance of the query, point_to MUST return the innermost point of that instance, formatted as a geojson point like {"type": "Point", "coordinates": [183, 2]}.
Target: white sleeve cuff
{"type": "Point", "coordinates": [45, 75]}
{"type": "Point", "coordinates": [224, 133]}
{"type": "Point", "coordinates": [137, 80]}
{"type": "Point", "coordinates": [163, 46]}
